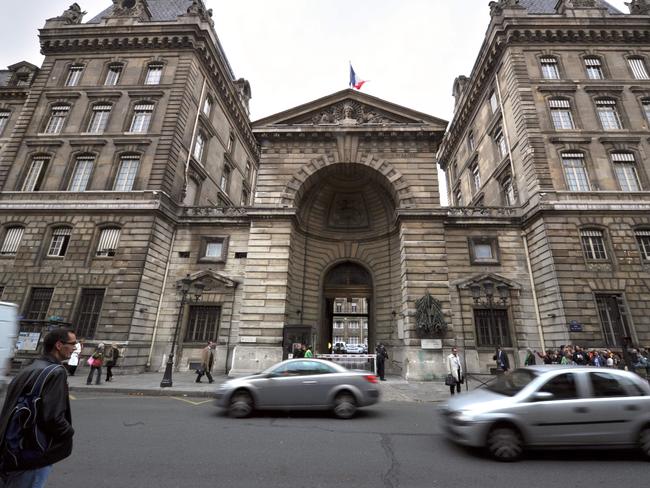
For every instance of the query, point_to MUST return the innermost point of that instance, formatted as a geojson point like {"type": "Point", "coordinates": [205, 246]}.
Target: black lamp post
{"type": "Point", "coordinates": [184, 287]}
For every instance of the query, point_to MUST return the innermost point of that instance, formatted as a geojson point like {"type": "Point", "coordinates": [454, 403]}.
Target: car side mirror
{"type": "Point", "coordinates": [541, 396]}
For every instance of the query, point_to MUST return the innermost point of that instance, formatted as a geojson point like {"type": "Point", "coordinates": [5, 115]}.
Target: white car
{"type": "Point", "coordinates": [354, 349]}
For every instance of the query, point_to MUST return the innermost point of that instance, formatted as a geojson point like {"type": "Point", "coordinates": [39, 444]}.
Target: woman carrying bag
{"type": "Point", "coordinates": [95, 362]}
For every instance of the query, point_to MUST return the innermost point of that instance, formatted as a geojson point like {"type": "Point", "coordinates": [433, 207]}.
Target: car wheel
{"type": "Point", "coordinates": [241, 405]}
{"type": "Point", "coordinates": [345, 406]}
{"type": "Point", "coordinates": [505, 444]}
{"type": "Point", "coordinates": [644, 441]}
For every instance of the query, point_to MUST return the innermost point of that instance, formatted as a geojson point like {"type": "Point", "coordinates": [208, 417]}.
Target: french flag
{"type": "Point", "coordinates": [355, 81]}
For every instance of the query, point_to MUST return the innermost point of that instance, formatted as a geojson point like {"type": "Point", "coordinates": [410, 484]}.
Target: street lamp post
{"type": "Point", "coordinates": [184, 286]}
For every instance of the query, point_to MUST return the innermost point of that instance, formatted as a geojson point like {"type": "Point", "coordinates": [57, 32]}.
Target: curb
{"type": "Point", "coordinates": [144, 391]}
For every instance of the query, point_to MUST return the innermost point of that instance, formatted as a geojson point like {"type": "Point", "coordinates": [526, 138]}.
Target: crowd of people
{"type": "Point", "coordinates": [634, 359]}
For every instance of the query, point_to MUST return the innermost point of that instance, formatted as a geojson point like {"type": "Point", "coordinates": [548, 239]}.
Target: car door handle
{"type": "Point", "coordinates": [581, 410]}
{"type": "Point", "coordinates": [631, 407]}
{"type": "Point", "coordinates": [309, 382]}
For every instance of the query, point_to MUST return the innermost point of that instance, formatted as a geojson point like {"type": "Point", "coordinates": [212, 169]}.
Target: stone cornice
{"type": "Point", "coordinates": [58, 94]}
{"type": "Point", "coordinates": [536, 29]}
{"type": "Point", "coordinates": [15, 92]}
{"type": "Point", "coordinates": [92, 38]}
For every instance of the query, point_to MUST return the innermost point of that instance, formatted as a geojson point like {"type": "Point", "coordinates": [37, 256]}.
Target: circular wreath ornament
{"type": "Point", "coordinates": [429, 317]}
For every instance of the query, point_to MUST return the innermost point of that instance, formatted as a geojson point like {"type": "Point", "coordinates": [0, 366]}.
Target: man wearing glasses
{"type": "Point", "coordinates": [54, 418]}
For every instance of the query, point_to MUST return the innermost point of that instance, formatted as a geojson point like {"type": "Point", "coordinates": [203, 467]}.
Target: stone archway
{"type": "Point", "coordinates": [347, 299]}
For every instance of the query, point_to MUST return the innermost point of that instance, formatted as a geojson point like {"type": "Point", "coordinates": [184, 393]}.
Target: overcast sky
{"type": "Point", "coordinates": [294, 51]}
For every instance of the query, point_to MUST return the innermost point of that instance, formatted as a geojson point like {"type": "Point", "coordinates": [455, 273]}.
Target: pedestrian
{"type": "Point", "coordinates": [455, 369]}
{"type": "Point", "coordinates": [382, 355]}
{"type": "Point", "coordinates": [207, 361]}
{"type": "Point", "coordinates": [530, 358]}
{"type": "Point", "coordinates": [73, 362]}
{"type": "Point", "coordinates": [308, 353]}
{"type": "Point", "coordinates": [54, 416]}
{"type": "Point", "coordinates": [95, 361]}
{"type": "Point", "coordinates": [112, 355]}
{"type": "Point", "coordinates": [503, 363]}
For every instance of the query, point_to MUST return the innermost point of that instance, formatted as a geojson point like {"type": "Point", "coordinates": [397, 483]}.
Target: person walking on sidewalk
{"type": "Point", "coordinates": [503, 363]}
{"type": "Point", "coordinates": [455, 369]}
{"type": "Point", "coordinates": [54, 418]}
{"type": "Point", "coordinates": [96, 361]}
{"type": "Point", "coordinates": [308, 353]}
{"type": "Point", "coordinates": [73, 362]}
{"type": "Point", "coordinates": [382, 355]}
{"type": "Point", "coordinates": [112, 355]}
{"type": "Point", "coordinates": [207, 360]}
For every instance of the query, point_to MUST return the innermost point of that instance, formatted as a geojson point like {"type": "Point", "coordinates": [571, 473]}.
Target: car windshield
{"type": "Point", "coordinates": [509, 384]}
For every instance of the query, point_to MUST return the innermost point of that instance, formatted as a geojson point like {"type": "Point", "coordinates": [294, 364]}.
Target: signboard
{"type": "Point", "coordinates": [575, 326]}
{"type": "Point", "coordinates": [28, 341]}
{"type": "Point", "coordinates": [431, 343]}
{"type": "Point", "coordinates": [248, 339]}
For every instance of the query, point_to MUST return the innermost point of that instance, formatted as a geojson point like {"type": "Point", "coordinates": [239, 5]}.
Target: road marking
{"type": "Point", "coordinates": [190, 401]}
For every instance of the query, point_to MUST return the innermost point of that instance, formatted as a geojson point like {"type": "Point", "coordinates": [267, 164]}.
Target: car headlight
{"type": "Point", "coordinates": [462, 417]}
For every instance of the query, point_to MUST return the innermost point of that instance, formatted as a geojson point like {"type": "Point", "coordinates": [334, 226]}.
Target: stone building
{"type": "Point", "coordinates": [129, 167]}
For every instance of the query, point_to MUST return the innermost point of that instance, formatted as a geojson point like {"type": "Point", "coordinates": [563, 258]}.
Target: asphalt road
{"type": "Point", "coordinates": [161, 442]}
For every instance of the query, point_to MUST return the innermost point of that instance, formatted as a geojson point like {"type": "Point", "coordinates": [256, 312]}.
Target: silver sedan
{"type": "Point", "coordinates": [300, 384]}
{"type": "Point", "coordinates": [552, 406]}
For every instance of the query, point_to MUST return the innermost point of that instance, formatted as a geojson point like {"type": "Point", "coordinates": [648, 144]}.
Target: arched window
{"type": "Point", "coordinates": [83, 168]}
{"type": "Point", "coordinates": [154, 74]}
{"type": "Point", "coordinates": [126, 172]}
{"type": "Point", "coordinates": [638, 67]}
{"type": "Point", "coordinates": [199, 145]}
{"type": "Point", "coordinates": [561, 113]}
{"type": "Point", "coordinates": [74, 75]}
{"type": "Point", "coordinates": [36, 173]}
{"type": "Point", "coordinates": [626, 171]}
{"type": "Point", "coordinates": [4, 119]}
{"type": "Point", "coordinates": [58, 115]}
{"type": "Point", "coordinates": [11, 241]}
{"type": "Point", "coordinates": [550, 70]}
{"type": "Point", "coordinates": [608, 114]}
{"type": "Point", "coordinates": [99, 118]}
{"type": "Point", "coordinates": [594, 68]}
{"type": "Point", "coordinates": [643, 239]}
{"type": "Point", "coordinates": [142, 113]}
{"type": "Point", "coordinates": [109, 238]}
{"type": "Point", "coordinates": [593, 244]}
{"type": "Point", "coordinates": [575, 171]}
{"type": "Point", "coordinates": [646, 108]}
{"type": "Point", "coordinates": [113, 74]}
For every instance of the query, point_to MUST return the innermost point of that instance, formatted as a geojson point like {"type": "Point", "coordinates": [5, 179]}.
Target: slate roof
{"type": "Point", "coordinates": [548, 6]}
{"type": "Point", "coordinates": [161, 10]}
{"type": "Point", "coordinates": [5, 76]}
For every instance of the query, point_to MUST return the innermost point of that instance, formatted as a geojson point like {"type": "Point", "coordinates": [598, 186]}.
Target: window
{"type": "Point", "coordinates": [58, 115]}
{"type": "Point", "coordinates": [141, 117]}
{"type": "Point", "coordinates": [34, 177]}
{"type": "Point", "coordinates": [339, 307]}
{"type": "Point", "coordinates": [613, 318]}
{"type": "Point", "coordinates": [154, 74]}
{"type": "Point", "coordinates": [492, 327]}
{"type": "Point", "coordinates": [203, 323]}
{"type": "Point", "coordinates": [639, 70]}
{"type": "Point", "coordinates": [625, 171]}
{"type": "Point", "coordinates": [213, 249]}
{"type": "Point", "coordinates": [507, 191]}
{"type": "Point", "coordinates": [494, 102]}
{"type": "Point", "coordinates": [126, 173]}
{"type": "Point", "coordinates": [475, 177]}
{"type": "Point", "coordinates": [646, 108]}
{"type": "Point", "coordinates": [207, 106]}
{"type": "Point", "coordinates": [562, 386]}
{"type": "Point", "coordinates": [249, 170]}
{"type": "Point", "coordinates": [594, 68]}
{"type": "Point", "coordinates": [353, 324]}
{"type": "Point", "coordinates": [593, 245]}
{"type": "Point", "coordinates": [550, 70]}
{"type": "Point", "coordinates": [244, 197]}
{"type": "Point", "coordinates": [113, 75]}
{"type": "Point", "coordinates": [4, 118]}
{"type": "Point", "coordinates": [607, 113]}
{"type": "Point", "coordinates": [225, 178]}
{"type": "Point", "coordinates": [608, 385]}
{"type": "Point", "coordinates": [83, 168]}
{"type": "Point", "coordinates": [471, 143]}
{"type": "Point", "coordinates": [109, 237]}
{"type": "Point", "coordinates": [458, 198]}
{"type": "Point", "coordinates": [643, 239]}
{"type": "Point", "coordinates": [338, 339]}
{"type": "Point", "coordinates": [353, 307]}
{"type": "Point", "coordinates": [500, 142]}
{"type": "Point", "coordinates": [338, 324]}
{"type": "Point", "coordinates": [74, 75]}
{"type": "Point", "coordinates": [39, 303]}
{"type": "Point", "coordinates": [231, 143]}
{"type": "Point", "coordinates": [575, 171]}
{"type": "Point", "coordinates": [90, 306]}
{"type": "Point", "coordinates": [199, 144]}
{"type": "Point", "coordinates": [561, 113]}
{"type": "Point", "coordinates": [11, 241]}
{"type": "Point", "coordinates": [99, 118]}
{"type": "Point", "coordinates": [483, 250]}
{"type": "Point", "coordinates": [59, 242]}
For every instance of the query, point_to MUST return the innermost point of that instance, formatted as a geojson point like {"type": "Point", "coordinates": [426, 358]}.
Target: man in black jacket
{"type": "Point", "coordinates": [54, 417]}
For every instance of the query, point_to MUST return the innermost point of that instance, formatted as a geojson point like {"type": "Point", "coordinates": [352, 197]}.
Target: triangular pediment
{"type": "Point", "coordinates": [347, 109]}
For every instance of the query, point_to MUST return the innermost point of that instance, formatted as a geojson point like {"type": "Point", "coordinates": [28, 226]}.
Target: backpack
{"type": "Point", "coordinates": [24, 441]}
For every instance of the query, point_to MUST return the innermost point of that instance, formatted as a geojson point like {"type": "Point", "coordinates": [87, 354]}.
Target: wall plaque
{"type": "Point", "coordinates": [431, 343]}
{"type": "Point", "coordinates": [248, 339]}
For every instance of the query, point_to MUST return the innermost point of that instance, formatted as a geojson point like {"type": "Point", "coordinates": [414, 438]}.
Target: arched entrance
{"type": "Point", "coordinates": [347, 307]}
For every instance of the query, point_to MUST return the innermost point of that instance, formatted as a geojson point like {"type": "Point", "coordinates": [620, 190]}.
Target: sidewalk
{"type": "Point", "coordinates": [394, 389]}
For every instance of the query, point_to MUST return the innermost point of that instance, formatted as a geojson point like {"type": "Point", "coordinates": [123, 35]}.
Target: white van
{"type": "Point", "coordinates": [8, 336]}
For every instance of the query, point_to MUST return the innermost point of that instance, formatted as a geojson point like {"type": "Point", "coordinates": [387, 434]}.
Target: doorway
{"type": "Point", "coordinates": [347, 308]}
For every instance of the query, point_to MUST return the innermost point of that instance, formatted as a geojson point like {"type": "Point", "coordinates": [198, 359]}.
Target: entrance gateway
{"type": "Point", "coordinates": [345, 213]}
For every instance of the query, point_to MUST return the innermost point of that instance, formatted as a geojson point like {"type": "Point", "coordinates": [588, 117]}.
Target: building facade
{"type": "Point", "coordinates": [129, 168]}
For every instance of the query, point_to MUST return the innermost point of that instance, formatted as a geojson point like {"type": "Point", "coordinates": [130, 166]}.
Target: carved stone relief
{"type": "Point", "coordinates": [496, 8]}
{"type": "Point", "coordinates": [350, 113]}
{"type": "Point", "coordinates": [197, 9]}
{"type": "Point", "coordinates": [131, 8]}
{"type": "Point", "coordinates": [73, 15]}
{"type": "Point", "coordinates": [639, 7]}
